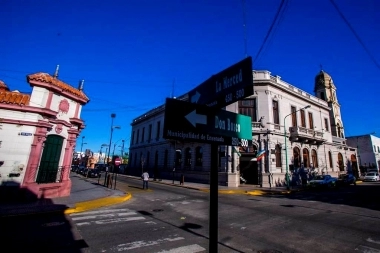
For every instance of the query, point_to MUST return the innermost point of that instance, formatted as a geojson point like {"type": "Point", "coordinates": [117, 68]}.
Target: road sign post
{"type": "Point", "coordinates": [187, 122]}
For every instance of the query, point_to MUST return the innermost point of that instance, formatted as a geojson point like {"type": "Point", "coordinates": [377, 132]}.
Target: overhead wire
{"type": "Point", "coordinates": [275, 29]}
{"type": "Point", "coordinates": [355, 34]}
{"type": "Point", "coordinates": [269, 30]}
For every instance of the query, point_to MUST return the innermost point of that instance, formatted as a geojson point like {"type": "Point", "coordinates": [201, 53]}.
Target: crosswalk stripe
{"type": "Point", "coordinates": [119, 220]}
{"type": "Point", "coordinates": [88, 217]}
{"type": "Point", "coordinates": [366, 249]}
{"type": "Point", "coordinates": [100, 211]}
{"type": "Point", "coordinates": [185, 249]}
{"type": "Point", "coordinates": [139, 244]}
{"type": "Point", "coordinates": [373, 241]}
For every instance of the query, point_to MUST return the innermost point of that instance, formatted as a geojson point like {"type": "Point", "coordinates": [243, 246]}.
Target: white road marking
{"type": "Point", "coordinates": [185, 249]}
{"type": "Point", "coordinates": [370, 240]}
{"type": "Point", "coordinates": [139, 244]}
{"type": "Point", "coordinates": [83, 223]}
{"type": "Point", "coordinates": [366, 249]}
{"type": "Point", "coordinates": [118, 220]}
{"type": "Point", "coordinates": [102, 215]}
{"type": "Point", "coordinates": [100, 211]}
{"type": "Point", "coordinates": [150, 222]}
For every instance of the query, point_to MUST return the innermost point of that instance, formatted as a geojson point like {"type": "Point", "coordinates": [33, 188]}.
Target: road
{"type": "Point", "coordinates": [171, 219]}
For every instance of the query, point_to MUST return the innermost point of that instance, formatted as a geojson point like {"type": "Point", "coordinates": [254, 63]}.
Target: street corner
{"type": "Point", "coordinates": [98, 203]}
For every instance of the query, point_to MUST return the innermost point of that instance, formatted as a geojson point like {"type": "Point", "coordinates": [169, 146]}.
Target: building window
{"type": "Point", "coordinates": [133, 137]}
{"type": "Point", "coordinates": [303, 120]}
{"type": "Point", "coordinates": [276, 115]}
{"type": "Point", "coordinates": [158, 130]}
{"type": "Point", "coordinates": [374, 148]}
{"type": "Point", "coordinates": [311, 121]}
{"type": "Point", "coordinates": [340, 162]}
{"type": "Point", "coordinates": [278, 155]}
{"type": "Point", "coordinates": [306, 159]}
{"type": "Point", "coordinates": [135, 160]}
{"type": "Point", "coordinates": [296, 157]}
{"type": "Point", "coordinates": [314, 158]}
{"type": "Point", "coordinates": [378, 149]}
{"type": "Point", "coordinates": [248, 107]}
{"type": "Point", "coordinates": [330, 160]}
{"type": "Point", "coordinates": [143, 134]}
{"type": "Point", "coordinates": [294, 116]}
{"type": "Point", "coordinates": [198, 156]}
{"type": "Point", "coordinates": [150, 133]}
{"type": "Point", "coordinates": [327, 125]}
{"type": "Point", "coordinates": [166, 156]}
{"type": "Point", "coordinates": [322, 95]}
{"type": "Point", "coordinates": [187, 157]}
{"type": "Point", "coordinates": [178, 158]}
{"type": "Point", "coordinates": [138, 136]}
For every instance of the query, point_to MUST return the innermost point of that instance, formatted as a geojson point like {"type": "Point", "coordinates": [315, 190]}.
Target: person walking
{"type": "Point", "coordinates": [145, 178]}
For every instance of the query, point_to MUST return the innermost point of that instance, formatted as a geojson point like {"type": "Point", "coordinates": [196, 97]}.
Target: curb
{"type": "Point", "coordinates": [97, 203]}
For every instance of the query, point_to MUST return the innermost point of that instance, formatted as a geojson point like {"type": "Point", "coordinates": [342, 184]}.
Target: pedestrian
{"type": "Point", "coordinates": [145, 178]}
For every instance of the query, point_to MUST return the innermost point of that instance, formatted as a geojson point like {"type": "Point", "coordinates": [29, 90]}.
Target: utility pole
{"type": "Point", "coordinates": [122, 150]}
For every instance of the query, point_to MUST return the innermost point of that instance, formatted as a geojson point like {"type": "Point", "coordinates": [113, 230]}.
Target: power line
{"type": "Point", "coordinates": [355, 34]}
{"type": "Point", "coordinates": [269, 30]}
{"type": "Point", "coordinates": [277, 25]}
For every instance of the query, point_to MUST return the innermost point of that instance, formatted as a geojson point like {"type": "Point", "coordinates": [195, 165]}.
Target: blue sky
{"type": "Point", "coordinates": [133, 54]}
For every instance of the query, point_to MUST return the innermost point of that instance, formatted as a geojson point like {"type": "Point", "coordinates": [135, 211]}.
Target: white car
{"type": "Point", "coordinates": [371, 176]}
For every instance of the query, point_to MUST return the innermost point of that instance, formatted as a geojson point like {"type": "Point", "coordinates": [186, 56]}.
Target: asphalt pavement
{"type": "Point", "coordinates": [90, 193]}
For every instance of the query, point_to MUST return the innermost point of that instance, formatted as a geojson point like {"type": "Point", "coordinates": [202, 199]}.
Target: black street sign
{"type": "Point", "coordinates": [199, 123]}
{"type": "Point", "coordinates": [226, 87]}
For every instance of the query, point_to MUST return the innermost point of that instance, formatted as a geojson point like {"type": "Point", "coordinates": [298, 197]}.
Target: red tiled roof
{"type": "Point", "coordinates": [46, 78]}
{"type": "Point", "coordinates": [11, 97]}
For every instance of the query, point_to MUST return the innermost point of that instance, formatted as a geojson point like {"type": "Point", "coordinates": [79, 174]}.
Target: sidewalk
{"type": "Point", "coordinates": [87, 194]}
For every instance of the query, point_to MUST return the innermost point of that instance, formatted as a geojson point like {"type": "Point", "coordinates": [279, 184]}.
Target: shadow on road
{"type": "Point", "coordinates": [32, 224]}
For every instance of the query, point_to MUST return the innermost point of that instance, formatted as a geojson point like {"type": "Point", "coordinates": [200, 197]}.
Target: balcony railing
{"type": "Point", "coordinates": [49, 175]}
{"type": "Point", "coordinates": [306, 135]}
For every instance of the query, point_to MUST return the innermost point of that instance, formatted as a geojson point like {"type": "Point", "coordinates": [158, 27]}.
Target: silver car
{"type": "Point", "coordinates": [371, 176]}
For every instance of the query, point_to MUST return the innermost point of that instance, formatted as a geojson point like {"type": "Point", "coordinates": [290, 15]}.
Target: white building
{"type": "Point", "coordinates": [368, 147]}
{"type": "Point", "coordinates": [293, 127]}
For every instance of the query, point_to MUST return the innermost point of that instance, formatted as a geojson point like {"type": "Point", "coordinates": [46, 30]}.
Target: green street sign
{"type": "Point", "coordinates": [199, 123]}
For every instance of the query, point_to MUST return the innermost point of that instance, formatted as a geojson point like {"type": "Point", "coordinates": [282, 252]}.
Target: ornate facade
{"type": "Point", "coordinates": [39, 132]}
{"type": "Point", "coordinates": [296, 130]}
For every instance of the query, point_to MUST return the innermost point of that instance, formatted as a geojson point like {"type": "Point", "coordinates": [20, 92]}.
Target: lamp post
{"type": "Point", "coordinates": [286, 149]}
{"type": "Point", "coordinates": [113, 115]}
{"type": "Point", "coordinates": [81, 146]}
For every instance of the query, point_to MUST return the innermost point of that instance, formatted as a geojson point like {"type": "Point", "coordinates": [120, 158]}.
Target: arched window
{"type": "Point", "coordinates": [166, 155]}
{"type": "Point", "coordinates": [305, 158]}
{"type": "Point", "coordinates": [178, 158]}
{"type": "Point", "coordinates": [135, 160]}
{"type": "Point", "coordinates": [296, 158]}
{"type": "Point", "coordinates": [278, 155]}
{"type": "Point", "coordinates": [187, 157]}
{"type": "Point", "coordinates": [340, 162]}
{"type": "Point", "coordinates": [314, 158]}
{"type": "Point", "coordinates": [330, 160]}
{"type": "Point", "coordinates": [198, 156]}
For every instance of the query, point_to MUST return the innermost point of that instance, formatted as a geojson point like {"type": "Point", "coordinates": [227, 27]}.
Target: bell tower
{"type": "Point", "coordinates": [325, 89]}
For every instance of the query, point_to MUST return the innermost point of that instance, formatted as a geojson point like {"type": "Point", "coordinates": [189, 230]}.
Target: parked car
{"type": "Point", "coordinates": [371, 176]}
{"type": "Point", "coordinates": [323, 181]}
{"type": "Point", "coordinates": [346, 179]}
{"type": "Point", "coordinates": [362, 176]}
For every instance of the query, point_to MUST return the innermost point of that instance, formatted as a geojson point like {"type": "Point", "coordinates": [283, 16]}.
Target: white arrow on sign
{"type": "Point", "coordinates": [195, 118]}
{"type": "Point", "coordinates": [195, 98]}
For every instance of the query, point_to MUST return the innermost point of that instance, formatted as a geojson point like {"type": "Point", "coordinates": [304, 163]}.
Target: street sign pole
{"type": "Point", "coordinates": [213, 209]}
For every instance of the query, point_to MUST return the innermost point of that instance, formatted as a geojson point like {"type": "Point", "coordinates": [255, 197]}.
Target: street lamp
{"type": "Point", "coordinates": [101, 147]}
{"type": "Point", "coordinates": [81, 146]}
{"type": "Point", "coordinates": [286, 150]}
{"type": "Point", "coordinates": [113, 115]}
